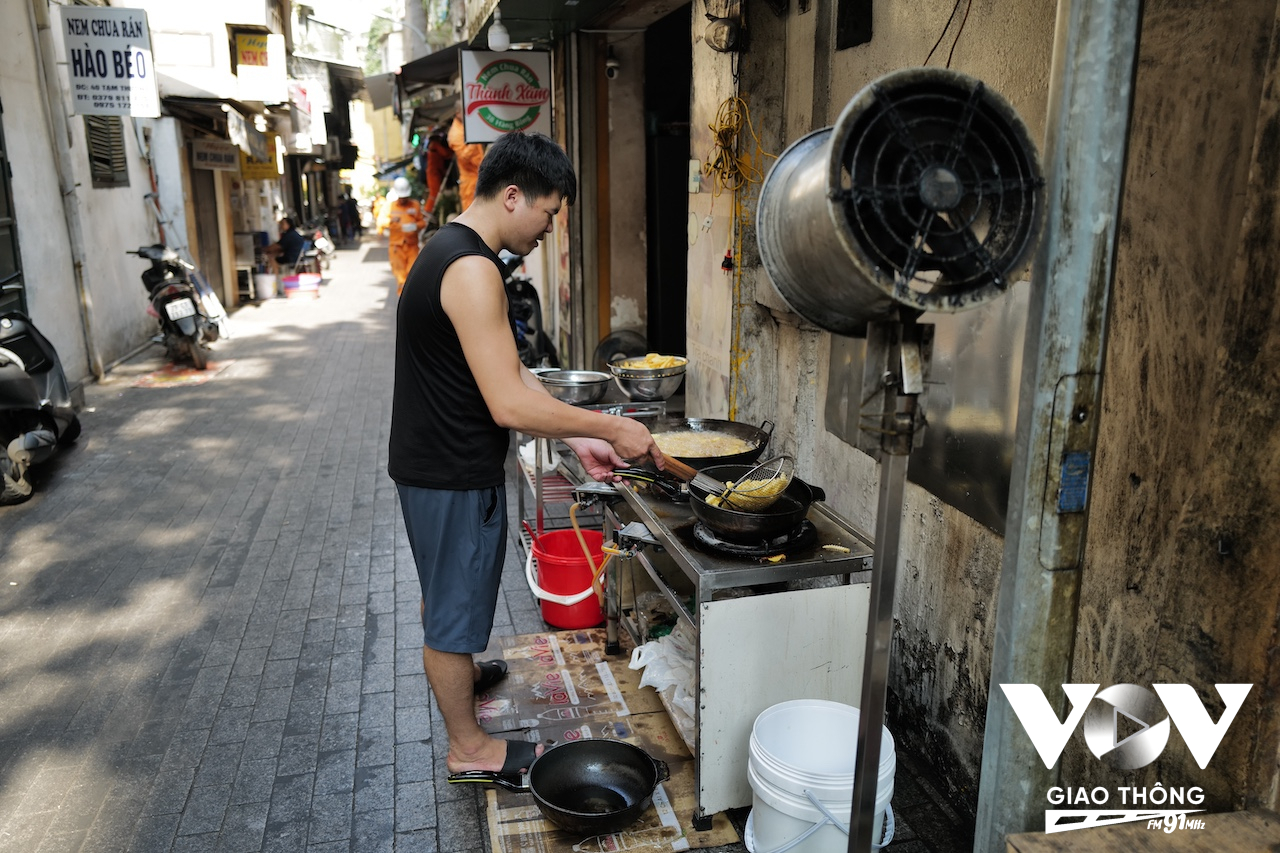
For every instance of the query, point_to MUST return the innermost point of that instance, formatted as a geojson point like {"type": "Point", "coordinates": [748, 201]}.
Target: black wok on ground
{"type": "Point", "coordinates": [587, 787]}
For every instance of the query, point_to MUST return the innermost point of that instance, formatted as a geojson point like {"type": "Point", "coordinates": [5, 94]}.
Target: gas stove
{"type": "Point", "coordinates": [824, 545]}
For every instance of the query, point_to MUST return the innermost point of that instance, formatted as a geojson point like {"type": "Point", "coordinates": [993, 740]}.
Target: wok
{"type": "Point", "coordinates": [758, 437]}
{"type": "Point", "coordinates": [593, 786]}
{"type": "Point", "coordinates": [738, 525]}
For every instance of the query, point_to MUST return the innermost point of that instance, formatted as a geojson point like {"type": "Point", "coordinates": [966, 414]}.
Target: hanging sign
{"type": "Point", "coordinates": [109, 61]}
{"type": "Point", "coordinates": [252, 169]}
{"type": "Point", "coordinates": [505, 91]}
{"type": "Point", "coordinates": [215, 154]}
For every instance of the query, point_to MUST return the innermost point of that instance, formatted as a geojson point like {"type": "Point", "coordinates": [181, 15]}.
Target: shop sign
{"type": "Point", "coordinates": [215, 154]}
{"type": "Point", "coordinates": [505, 91]}
{"type": "Point", "coordinates": [252, 169]}
{"type": "Point", "coordinates": [109, 61]}
{"type": "Point", "coordinates": [251, 49]}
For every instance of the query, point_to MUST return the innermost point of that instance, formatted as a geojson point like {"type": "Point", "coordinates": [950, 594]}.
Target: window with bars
{"type": "Point", "coordinates": [104, 136]}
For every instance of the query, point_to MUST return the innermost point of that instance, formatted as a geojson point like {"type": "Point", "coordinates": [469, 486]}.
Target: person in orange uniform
{"type": "Point", "coordinates": [439, 157]}
{"type": "Point", "coordinates": [468, 157]}
{"type": "Point", "coordinates": [407, 222]}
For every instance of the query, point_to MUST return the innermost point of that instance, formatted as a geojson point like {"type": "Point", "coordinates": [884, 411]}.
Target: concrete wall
{"type": "Point", "coordinates": [794, 81]}
{"type": "Point", "coordinates": [1179, 576]}
{"type": "Point", "coordinates": [110, 219]}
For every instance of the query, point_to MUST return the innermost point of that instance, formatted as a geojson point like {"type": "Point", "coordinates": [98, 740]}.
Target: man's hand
{"type": "Point", "coordinates": [598, 458]}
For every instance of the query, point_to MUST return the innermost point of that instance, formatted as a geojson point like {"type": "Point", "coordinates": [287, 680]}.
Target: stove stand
{"type": "Point", "coordinates": [769, 628]}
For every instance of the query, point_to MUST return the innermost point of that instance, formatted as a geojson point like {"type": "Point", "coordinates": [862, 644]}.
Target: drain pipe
{"type": "Point", "coordinates": [1090, 98]}
{"type": "Point", "coordinates": [60, 136]}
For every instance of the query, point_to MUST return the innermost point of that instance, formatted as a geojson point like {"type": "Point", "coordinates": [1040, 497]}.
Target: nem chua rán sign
{"type": "Point", "coordinates": [507, 91]}
{"type": "Point", "coordinates": [109, 61]}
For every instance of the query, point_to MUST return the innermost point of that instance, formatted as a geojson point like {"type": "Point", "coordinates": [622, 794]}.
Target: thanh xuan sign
{"type": "Point", "coordinates": [503, 92]}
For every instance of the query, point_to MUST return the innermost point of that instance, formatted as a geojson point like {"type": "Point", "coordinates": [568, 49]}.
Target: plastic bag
{"type": "Point", "coordinates": [528, 456]}
{"type": "Point", "coordinates": [668, 668]}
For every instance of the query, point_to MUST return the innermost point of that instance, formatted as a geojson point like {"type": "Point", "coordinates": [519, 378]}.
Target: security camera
{"type": "Point", "coordinates": [612, 67]}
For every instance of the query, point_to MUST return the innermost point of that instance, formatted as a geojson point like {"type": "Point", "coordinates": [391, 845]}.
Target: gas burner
{"type": "Point", "coordinates": [801, 537]}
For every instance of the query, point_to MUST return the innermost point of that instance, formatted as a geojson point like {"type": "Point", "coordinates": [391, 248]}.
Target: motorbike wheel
{"type": "Point", "coordinates": [198, 356]}
{"type": "Point", "coordinates": [70, 434]}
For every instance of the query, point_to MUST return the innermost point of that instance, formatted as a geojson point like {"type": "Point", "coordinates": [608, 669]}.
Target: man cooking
{"type": "Point", "coordinates": [459, 391]}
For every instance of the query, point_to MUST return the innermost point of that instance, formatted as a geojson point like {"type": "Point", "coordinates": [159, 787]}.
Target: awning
{"type": "Point", "coordinates": [393, 166]}
{"type": "Point", "coordinates": [434, 69]}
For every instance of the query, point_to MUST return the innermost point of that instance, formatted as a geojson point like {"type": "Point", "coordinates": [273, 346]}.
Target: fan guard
{"type": "Point", "coordinates": [926, 194]}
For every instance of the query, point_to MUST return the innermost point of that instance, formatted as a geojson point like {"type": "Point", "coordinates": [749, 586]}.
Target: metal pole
{"type": "Point", "coordinates": [875, 667]}
{"type": "Point", "coordinates": [903, 382]}
{"type": "Point", "coordinates": [1091, 89]}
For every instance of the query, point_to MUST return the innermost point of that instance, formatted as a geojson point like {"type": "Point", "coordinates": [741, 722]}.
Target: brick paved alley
{"type": "Point", "coordinates": [205, 643]}
{"type": "Point", "coordinates": [208, 612]}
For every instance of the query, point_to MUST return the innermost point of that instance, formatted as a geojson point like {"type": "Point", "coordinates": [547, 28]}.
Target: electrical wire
{"type": "Point", "coordinates": [963, 20]}
{"type": "Point", "coordinates": [728, 170]}
{"type": "Point", "coordinates": [943, 34]}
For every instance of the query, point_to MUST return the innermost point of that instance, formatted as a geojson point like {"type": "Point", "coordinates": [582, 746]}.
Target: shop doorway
{"type": "Point", "coordinates": [668, 75]}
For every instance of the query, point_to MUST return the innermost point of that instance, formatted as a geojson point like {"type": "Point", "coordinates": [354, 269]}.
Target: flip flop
{"type": "Point", "coordinates": [491, 672]}
{"type": "Point", "coordinates": [520, 756]}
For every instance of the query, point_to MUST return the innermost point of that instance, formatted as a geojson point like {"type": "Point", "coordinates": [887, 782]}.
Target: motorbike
{"type": "Point", "coordinates": [37, 415]}
{"type": "Point", "coordinates": [322, 244]}
{"type": "Point", "coordinates": [184, 323]}
{"type": "Point", "coordinates": [525, 313]}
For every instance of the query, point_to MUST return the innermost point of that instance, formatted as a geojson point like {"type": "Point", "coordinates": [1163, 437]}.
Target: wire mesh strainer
{"type": "Point", "coordinates": [758, 488]}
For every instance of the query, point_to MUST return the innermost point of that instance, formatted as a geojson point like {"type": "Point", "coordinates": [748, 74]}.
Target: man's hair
{"type": "Point", "coordinates": [533, 162]}
{"type": "Point", "coordinates": [285, 219]}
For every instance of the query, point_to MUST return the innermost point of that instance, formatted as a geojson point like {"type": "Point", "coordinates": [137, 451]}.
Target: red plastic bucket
{"type": "Point", "coordinates": [563, 571]}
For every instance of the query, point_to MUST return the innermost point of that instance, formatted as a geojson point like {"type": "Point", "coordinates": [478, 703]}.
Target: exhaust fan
{"type": "Point", "coordinates": [926, 195]}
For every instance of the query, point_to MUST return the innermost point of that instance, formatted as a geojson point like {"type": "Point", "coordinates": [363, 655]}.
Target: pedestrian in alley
{"type": "Point", "coordinates": [406, 221]}
{"type": "Point", "coordinates": [459, 390]}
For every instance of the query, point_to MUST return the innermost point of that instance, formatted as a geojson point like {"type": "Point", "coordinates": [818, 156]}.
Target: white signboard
{"type": "Point", "coordinates": [215, 154]}
{"type": "Point", "coordinates": [505, 91]}
{"type": "Point", "coordinates": [109, 61]}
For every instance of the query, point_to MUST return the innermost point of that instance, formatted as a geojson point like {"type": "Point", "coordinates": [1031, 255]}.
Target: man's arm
{"type": "Point", "coordinates": [474, 299]}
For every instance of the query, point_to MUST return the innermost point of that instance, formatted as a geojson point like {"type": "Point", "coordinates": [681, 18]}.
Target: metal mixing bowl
{"type": "Point", "coordinates": [576, 387]}
{"type": "Point", "coordinates": [647, 384]}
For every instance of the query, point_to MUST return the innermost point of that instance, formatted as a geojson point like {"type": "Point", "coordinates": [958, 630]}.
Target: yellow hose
{"type": "Point", "coordinates": [597, 575]}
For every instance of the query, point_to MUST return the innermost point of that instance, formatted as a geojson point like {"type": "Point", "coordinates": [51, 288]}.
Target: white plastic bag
{"type": "Point", "coordinates": [668, 668]}
{"type": "Point", "coordinates": [528, 456]}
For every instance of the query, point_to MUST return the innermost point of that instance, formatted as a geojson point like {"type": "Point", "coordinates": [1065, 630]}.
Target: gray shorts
{"type": "Point", "coordinates": [459, 543]}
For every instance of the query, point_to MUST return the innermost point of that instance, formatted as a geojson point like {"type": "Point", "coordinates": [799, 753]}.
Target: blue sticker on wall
{"type": "Point", "coordinates": [1073, 491]}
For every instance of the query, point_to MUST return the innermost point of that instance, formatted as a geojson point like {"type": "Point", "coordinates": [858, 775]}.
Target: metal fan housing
{"type": "Point", "coordinates": [926, 195]}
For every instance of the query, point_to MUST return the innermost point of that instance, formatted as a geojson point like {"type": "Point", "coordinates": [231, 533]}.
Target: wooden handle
{"type": "Point", "coordinates": [679, 469]}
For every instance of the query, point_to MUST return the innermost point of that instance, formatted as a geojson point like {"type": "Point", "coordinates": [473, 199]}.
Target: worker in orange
{"type": "Point", "coordinates": [407, 221]}
{"type": "Point", "coordinates": [439, 158]}
{"type": "Point", "coordinates": [468, 157]}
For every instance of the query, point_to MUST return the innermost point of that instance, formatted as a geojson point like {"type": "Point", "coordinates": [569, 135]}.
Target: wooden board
{"type": "Point", "coordinates": [561, 686]}
{"type": "Point", "coordinates": [1234, 832]}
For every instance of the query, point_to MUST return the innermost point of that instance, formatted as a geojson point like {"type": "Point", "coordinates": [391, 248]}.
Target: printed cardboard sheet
{"type": "Point", "coordinates": [561, 686]}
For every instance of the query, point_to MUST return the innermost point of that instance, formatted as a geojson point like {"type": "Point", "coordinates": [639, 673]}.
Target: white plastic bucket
{"type": "Point", "coordinates": [807, 748]}
{"type": "Point", "coordinates": [264, 285]}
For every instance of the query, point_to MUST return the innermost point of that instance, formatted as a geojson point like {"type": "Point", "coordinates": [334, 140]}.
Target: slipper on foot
{"type": "Point", "coordinates": [520, 756]}
{"type": "Point", "coordinates": [491, 672]}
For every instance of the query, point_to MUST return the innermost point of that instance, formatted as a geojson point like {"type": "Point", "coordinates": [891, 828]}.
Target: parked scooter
{"type": "Point", "coordinates": [525, 312]}
{"type": "Point", "coordinates": [184, 323]}
{"type": "Point", "coordinates": [37, 415]}
{"type": "Point", "coordinates": [322, 245]}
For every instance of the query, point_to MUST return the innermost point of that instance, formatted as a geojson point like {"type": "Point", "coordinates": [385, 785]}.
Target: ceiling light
{"type": "Point", "coordinates": [499, 38]}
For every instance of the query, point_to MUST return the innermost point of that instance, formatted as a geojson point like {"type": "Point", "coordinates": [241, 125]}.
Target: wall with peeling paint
{"type": "Point", "coordinates": [1179, 579]}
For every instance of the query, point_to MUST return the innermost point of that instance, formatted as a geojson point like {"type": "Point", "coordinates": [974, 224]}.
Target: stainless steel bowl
{"type": "Point", "coordinates": [576, 387]}
{"type": "Point", "coordinates": [647, 384]}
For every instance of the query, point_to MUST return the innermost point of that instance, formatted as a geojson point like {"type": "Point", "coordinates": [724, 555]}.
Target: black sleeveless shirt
{"type": "Point", "coordinates": [442, 435]}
